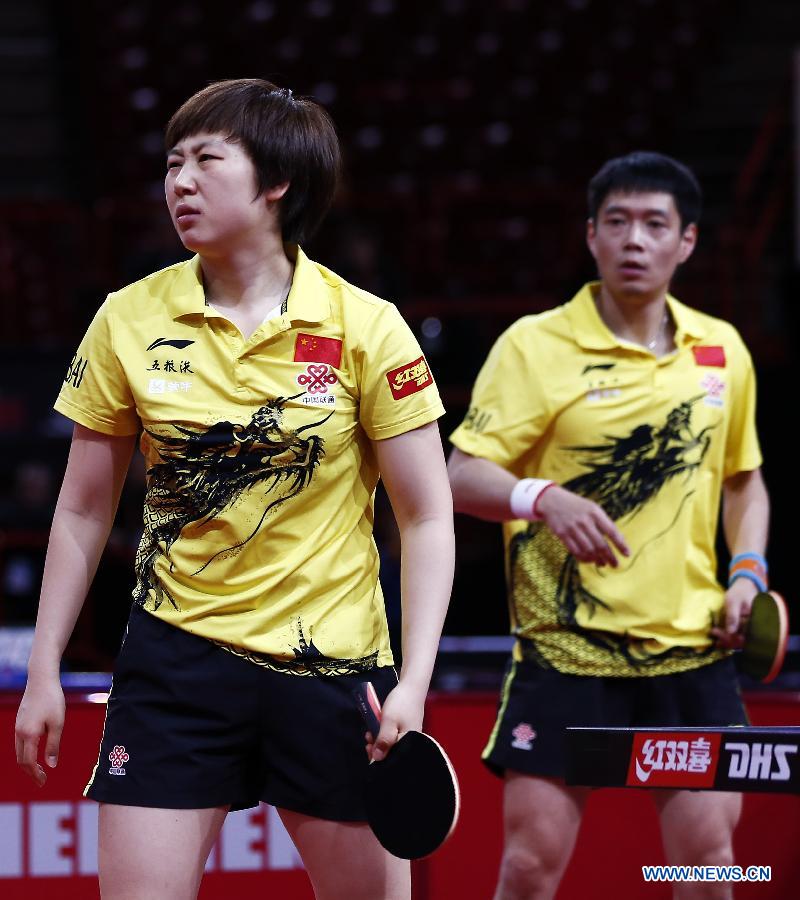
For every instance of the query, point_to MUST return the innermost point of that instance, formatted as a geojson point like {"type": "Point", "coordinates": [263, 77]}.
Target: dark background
{"type": "Point", "coordinates": [469, 130]}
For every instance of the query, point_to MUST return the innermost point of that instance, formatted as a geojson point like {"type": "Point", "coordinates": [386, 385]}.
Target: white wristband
{"type": "Point", "coordinates": [524, 496]}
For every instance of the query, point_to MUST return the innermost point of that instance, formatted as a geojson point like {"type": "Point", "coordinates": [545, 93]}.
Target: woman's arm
{"type": "Point", "coordinates": [413, 470]}
{"type": "Point", "coordinates": [82, 522]}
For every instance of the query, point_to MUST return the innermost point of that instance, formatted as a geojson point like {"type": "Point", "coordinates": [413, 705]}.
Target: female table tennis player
{"type": "Point", "coordinates": [268, 395]}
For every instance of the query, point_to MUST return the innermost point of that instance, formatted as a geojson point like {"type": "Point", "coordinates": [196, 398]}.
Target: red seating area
{"type": "Point", "coordinates": [476, 124]}
{"type": "Point", "coordinates": [469, 132]}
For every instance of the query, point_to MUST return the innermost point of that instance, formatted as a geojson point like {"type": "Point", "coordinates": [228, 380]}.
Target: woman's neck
{"type": "Point", "coordinates": [254, 283]}
{"type": "Point", "coordinates": [245, 287]}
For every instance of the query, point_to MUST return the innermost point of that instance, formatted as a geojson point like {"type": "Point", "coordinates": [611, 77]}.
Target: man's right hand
{"type": "Point", "coordinates": [41, 712]}
{"type": "Point", "coordinates": [582, 526]}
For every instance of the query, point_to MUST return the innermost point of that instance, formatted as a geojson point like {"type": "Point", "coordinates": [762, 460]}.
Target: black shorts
{"type": "Point", "coordinates": [190, 725]}
{"type": "Point", "coordinates": [537, 705]}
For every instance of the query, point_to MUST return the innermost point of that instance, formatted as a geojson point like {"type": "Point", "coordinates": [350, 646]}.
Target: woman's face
{"type": "Point", "coordinates": [211, 191]}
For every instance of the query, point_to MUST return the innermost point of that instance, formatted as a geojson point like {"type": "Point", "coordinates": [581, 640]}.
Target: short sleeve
{"type": "Point", "coordinates": [742, 450]}
{"type": "Point", "coordinates": [397, 391]}
{"type": "Point", "coordinates": [96, 392]}
{"type": "Point", "coordinates": [508, 411]}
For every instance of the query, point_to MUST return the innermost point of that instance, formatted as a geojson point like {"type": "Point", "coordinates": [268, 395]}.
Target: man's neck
{"type": "Point", "coordinates": [640, 320]}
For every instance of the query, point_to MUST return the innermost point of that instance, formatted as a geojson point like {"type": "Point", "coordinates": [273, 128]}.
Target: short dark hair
{"type": "Point", "coordinates": [288, 138]}
{"type": "Point", "coordinates": [644, 171]}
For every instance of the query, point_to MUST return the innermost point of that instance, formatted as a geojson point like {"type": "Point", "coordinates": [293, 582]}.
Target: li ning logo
{"type": "Point", "coordinates": [118, 757]}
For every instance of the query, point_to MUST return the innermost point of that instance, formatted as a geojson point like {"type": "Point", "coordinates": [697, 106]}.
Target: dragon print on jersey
{"type": "Point", "coordinates": [623, 475]}
{"type": "Point", "coordinates": [203, 472]}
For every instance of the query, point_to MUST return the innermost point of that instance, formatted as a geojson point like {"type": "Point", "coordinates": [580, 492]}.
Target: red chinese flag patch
{"type": "Point", "coordinates": [312, 348]}
{"type": "Point", "coordinates": [410, 378]}
{"type": "Point", "coordinates": [709, 356]}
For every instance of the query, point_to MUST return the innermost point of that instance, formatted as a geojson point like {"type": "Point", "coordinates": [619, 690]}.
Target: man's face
{"type": "Point", "coordinates": [638, 242]}
{"type": "Point", "coordinates": [210, 188]}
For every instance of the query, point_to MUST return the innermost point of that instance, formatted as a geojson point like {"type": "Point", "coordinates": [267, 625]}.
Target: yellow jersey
{"type": "Point", "coordinates": [260, 467]}
{"type": "Point", "coordinates": [652, 441]}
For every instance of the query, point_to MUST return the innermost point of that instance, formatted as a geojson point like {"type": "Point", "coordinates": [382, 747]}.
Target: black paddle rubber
{"type": "Point", "coordinates": [412, 797]}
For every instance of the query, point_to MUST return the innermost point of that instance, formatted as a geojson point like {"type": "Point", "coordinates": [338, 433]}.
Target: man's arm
{"type": "Point", "coordinates": [483, 489]}
{"type": "Point", "coordinates": [480, 487]}
{"type": "Point", "coordinates": [745, 521]}
{"type": "Point", "coordinates": [82, 522]}
{"type": "Point", "coordinates": [413, 470]}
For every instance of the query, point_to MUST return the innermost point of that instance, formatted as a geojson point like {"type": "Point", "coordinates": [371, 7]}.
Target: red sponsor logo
{"type": "Point", "coordinates": [118, 757]}
{"type": "Point", "coordinates": [316, 379]}
{"type": "Point", "coordinates": [673, 759]}
{"type": "Point", "coordinates": [312, 348]}
{"type": "Point", "coordinates": [410, 378]}
{"type": "Point", "coordinates": [709, 356]}
{"type": "Point", "coordinates": [714, 387]}
{"type": "Point", "coordinates": [524, 736]}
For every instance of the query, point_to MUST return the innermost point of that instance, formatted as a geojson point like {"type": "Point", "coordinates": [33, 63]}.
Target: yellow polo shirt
{"type": "Point", "coordinates": [650, 440]}
{"type": "Point", "coordinates": [260, 468]}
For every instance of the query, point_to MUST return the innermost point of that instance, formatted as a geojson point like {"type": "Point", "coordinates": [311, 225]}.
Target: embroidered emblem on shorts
{"type": "Point", "coordinates": [317, 378]}
{"type": "Point", "coordinates": [524, 737]}
{"type": "Point", "coordinates": [118, 757]}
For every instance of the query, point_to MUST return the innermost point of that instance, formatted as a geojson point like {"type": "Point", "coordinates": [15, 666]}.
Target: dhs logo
{"type": "Point", "coordinates": [760, 761]}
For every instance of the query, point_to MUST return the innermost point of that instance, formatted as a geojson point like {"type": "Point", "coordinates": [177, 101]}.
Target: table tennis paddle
{"type": "Point", "coordinates": [766, 637]}
{"type": "Point", "coordinates": [411, 795]}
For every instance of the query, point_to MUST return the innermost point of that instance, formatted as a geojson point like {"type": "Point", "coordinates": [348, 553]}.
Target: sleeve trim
{"type": "Point", "coordinates": [104, 426]}
{"type": "Point", "coordinates": [477, 448]}
{"type": "Point", "coordinates": [420, 417]}
{"type": "Point", "coordinates": [748, 464]}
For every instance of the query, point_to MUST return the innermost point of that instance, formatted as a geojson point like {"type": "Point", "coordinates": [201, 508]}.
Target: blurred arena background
{"type": "Point", "coordinates": [469, 129]}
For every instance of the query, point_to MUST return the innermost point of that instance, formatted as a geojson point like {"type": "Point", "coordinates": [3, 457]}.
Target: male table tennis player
{"type": "Point", "coordinates": [604, 434]}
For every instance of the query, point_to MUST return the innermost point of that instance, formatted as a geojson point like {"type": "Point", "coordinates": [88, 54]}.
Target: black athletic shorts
{"type": "Point", "coordinates": [190, 725]}
{"type": "Point", "coordinates": [537, 705]}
